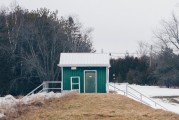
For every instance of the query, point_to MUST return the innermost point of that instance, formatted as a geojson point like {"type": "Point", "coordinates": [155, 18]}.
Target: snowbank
{"type": "Point", "coordinates": [8, 102]}
{"type": "Point", "coordinates": [2, 115]}
{"type": "Point", "coordinates": [39, 97]}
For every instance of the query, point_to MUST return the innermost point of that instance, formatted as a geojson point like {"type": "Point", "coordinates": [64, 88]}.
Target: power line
{"type": "Point", "coordinates": [117, 55]}
{"type": "Point", "coordinates": [124, 53]}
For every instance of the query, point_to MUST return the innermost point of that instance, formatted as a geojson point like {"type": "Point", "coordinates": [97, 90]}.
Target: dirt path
{"type": "Point", "coordinates": [93, 106]}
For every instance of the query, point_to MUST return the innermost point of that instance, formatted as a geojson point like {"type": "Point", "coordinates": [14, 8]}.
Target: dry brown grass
{"type": "Point", "coordinates": [93, 106]}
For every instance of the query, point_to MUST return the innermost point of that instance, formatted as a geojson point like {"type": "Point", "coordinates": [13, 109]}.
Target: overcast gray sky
{"type": "Point", "coordinates": [118, 24]}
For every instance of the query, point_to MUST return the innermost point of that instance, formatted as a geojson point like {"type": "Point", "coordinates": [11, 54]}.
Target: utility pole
{"type": "Point", "coordinates": [150, 64]}
{"type": "Point", "coordinates": [114, 81]}
{"type": "Point", "coordinates": [102, 51]}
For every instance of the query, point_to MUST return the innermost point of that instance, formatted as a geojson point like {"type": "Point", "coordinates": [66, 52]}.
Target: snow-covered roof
{"type": "Point", "coordinates": [84, 59]}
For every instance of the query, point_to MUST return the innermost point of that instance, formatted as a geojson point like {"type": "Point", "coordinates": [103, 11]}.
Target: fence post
{"type": "Point", "coordinates": [45, 86]}
{"type": "Point", "coordinates": [114, 87]}
{"type": "Point", "coordinates": [126, 88]}
{"type": "Point", "coordinates": [141, 98]}
{"type": "Point", "coordinates": [61, 84]}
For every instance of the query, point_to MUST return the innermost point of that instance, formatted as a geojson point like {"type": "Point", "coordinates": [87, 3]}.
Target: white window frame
{"type": "Point", "coordinates": [75, 83]}
{"type": "Point", "coordinates": [95, 79]}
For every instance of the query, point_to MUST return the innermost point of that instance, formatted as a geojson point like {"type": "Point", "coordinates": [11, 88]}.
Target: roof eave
{"type": "Point", "coordinates": [77, 65]}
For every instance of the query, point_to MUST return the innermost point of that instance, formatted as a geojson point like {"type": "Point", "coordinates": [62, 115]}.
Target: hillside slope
{"type": "Point", "coordinates": [93, 106]}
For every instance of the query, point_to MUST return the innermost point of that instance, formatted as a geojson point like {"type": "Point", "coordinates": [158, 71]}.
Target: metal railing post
{"type": "Point", "coordinates": [45, 86]}
{"type": "Point", "coordinates": [114, 87]}
{"type": "Point", "coordinates": [61, 86]}
{"type": "Point", "coordinates": [141, 97]}
{"type": "Point", "coordinates": [126, 88]}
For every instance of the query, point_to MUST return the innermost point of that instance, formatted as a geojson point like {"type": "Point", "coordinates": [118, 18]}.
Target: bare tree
{"type": "Point", "coordinates": [143, 48]}
{"type": "Point", "coordinates": [168, 34]}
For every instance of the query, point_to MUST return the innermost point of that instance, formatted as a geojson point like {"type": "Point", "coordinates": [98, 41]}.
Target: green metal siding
{"type": "Point", "coordinates": [101, 77]}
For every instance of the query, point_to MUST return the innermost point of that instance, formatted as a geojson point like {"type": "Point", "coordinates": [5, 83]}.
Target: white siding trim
{"type": "Point", "coordinates": [107, 79]}
{"type": "Point", "coordinates": [61, 79]}
{"type": "Point", "coordinates": [95, 80]}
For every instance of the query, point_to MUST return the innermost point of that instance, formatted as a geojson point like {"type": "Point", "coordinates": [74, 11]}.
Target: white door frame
{"type": "Point", "coordinates": [75, 83]}
{"type": "Point", "coordinates": [107, 79]}
{"type": "Point", "coordinates": [95, 79]}
{"type": "Point", "coordinates": [61, 79]}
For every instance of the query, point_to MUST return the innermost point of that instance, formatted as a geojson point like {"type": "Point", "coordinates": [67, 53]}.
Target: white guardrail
{"type": "Point", "coordinates": [128, 92]}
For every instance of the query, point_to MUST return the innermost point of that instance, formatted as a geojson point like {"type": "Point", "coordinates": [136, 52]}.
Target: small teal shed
{"type": "Point", "coordinates": [85, 72]}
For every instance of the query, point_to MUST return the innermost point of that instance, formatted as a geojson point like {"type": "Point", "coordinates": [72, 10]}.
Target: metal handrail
{"type": "Point", "coordinates": [132, 95]}
{"type": "Point", "coordinates": [136, 97]}
{"type": "Point", "coordinates": [51, 82]}
{"type": "Point", "coordinates": [49, 89]}
{"type": "Point", "coordinates": [44, 83]}
{"type": "Point", "coordinates": [145, 97]}
{"type": "Point", "coordinates": [35, 89]}
{"type": "Point", "coordinates": [41, 91]}
{"type": "Point", "coordinates": [118, 89]}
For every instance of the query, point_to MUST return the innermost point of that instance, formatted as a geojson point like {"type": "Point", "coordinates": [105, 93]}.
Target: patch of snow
{"type": "Point", "coordinates": [8, 102]}
{"type": "Point", "coordinates": [2, 115]}
{"type": "Point", "coordinates": [150, 92]}
{"type": "Point", "coordinates": [40, 96]}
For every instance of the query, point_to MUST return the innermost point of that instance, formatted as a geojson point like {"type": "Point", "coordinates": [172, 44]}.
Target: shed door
{"type": "Point", "coordinates": [90, 81]}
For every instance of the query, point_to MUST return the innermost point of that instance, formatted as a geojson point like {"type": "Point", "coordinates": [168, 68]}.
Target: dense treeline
{"type": "Point", "coordinates": [30, 47]}
{"type": "Point", "coordinates": [162, 70]}
{"type": "Point", "coordinates": [167, 70]}
{"type": "Point", "coordinates": [130, 69]}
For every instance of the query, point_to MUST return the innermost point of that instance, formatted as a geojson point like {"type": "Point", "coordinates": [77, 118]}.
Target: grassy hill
{"type": "Point", "coordinates": [92, 106]}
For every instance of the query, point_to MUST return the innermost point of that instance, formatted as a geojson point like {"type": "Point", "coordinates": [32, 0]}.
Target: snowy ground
{"type": "Point", "coordinates": [9, 102]}
{"type": "Point", "coordinates": [150, 92]}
